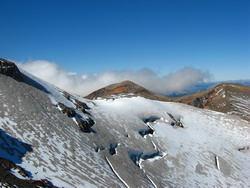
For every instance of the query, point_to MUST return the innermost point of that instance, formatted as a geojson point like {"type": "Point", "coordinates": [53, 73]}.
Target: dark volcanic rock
{"type": "Point", "coordinates": [198, 102]}
{"type": "Point", "coordinates": [9, 68]}
{"type": "Point", "coordinates": [85, 124]}
{"type": "Point", "coordinates": [81, 105]}
{"type": "Point", "coordinates": [70, 112]}
{"type": "Point", "coordinates": [66, 95]}
{"type": "Point", "coordinates": [10, 180]}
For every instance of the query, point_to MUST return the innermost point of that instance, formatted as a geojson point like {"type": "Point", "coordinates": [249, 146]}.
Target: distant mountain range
{"type": "Point", "coordinates": [203, 86]}
{"type": "Point", "coordinates": [122, 135]}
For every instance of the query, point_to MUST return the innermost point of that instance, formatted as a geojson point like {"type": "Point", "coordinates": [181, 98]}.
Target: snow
{"type": "Point", "coordinates": [207, 134]}
{"type": "Point", "coordinates": [59, 151]}
{"type": "Point", "coordinates": [116, 173]}
{"type": "Point", "coordinates": [184, 157]}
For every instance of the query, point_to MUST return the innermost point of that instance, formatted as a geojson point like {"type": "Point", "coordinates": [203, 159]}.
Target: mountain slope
{"type": "Point", "coordinates": [226, 97]}
{"type": "Point", "coordinates": [33, 117]}
{"type": "Point", "coordinates": [187, 156]}
{"type": "Point", "coordinates": [126, 142]}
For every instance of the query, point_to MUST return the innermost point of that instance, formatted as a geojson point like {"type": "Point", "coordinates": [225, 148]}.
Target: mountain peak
{"type": "Point", "coordinates": [126, 83]}
{"type": "Point", "coordinates": [125, 88]}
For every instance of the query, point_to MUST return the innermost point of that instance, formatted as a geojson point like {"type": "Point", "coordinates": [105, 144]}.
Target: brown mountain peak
{"type": "Point", "coordinates": [127, 88]}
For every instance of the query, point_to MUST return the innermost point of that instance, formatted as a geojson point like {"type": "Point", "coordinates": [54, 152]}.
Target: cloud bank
{"type": "Point", "coordinates": [84, 84]}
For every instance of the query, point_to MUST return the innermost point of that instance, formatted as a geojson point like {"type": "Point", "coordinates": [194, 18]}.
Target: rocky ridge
{"type": "Point", "coordinates": [9, 68]}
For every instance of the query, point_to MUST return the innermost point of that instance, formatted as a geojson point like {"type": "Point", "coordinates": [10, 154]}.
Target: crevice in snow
{"type": "Point", "coordinates": [155, 147]}
{"type": "Point", "coordinates": [244, 148]}
{"type": "Point", "coordinates": [127, 135]}
{"type": "Point", "coordinates": [112, 148]}
{"type": "Point", "coordinates": [147, 131]}
{"type": "Point", "coordinates": [217, 162]}
{"type": "Point", "coordinates": [112, 168]}
{"type": "Point", "coordinates": [138, 156]}
{"type": "Point", "coordinates": [153, 183]}
{"type": "Point", "coordinates": [176, 120]}
{"type": "Point", "coordinates": [98, 149]}
{"type": "Point", "coordinates": [151, 119]}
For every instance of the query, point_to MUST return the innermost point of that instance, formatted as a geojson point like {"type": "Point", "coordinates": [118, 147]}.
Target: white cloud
{"type": "Point", "coordinates": [86, 83]}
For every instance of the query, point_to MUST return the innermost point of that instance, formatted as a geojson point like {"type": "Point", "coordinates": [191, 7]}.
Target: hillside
{"type": "Point", "coordinates": [228, 98]}
{"type": "Point", "coordinates": [49, 137]}
{"type": "Point", "coordinates": [127, 89]}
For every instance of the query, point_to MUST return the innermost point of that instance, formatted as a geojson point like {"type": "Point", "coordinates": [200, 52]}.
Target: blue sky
{"type": "Point", "coordinates": [88, 36]}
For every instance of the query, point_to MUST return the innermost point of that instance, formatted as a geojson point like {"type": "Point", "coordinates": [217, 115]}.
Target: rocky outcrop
{"type": "Point", "coordinates": [228, 98]}
{"type": "Point", "coordinates": [8, 179]}
{"type": "Point", "coordinates": [176, 121]}
{"type": "Point", "coordinates": [81, 105]}
{"type": "Point", "coordinates": [9, 68]}
{"type": "Point", "coordinates": [198, 102]}
{"type": "Point", "coordinates": [70, 112]}
{"type": "Point", "coordinates": [85, 124]}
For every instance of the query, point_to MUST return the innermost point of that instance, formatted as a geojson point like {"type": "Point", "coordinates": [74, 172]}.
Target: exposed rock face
{"type": "Point", "coordinates": [67, 110]}
{"type": "Point", "coordinates": [7, 179]}
{"type": "Point", "coordinates": [226, 97]}
{"type": "Point", "coordinates": [9, 68]}
{"type": "Point", "coordinates": [85, 124]}
{"type": "Point", "coordinates": [81, 106]}
{"type": "Point", "coordinates": [198, 102]}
